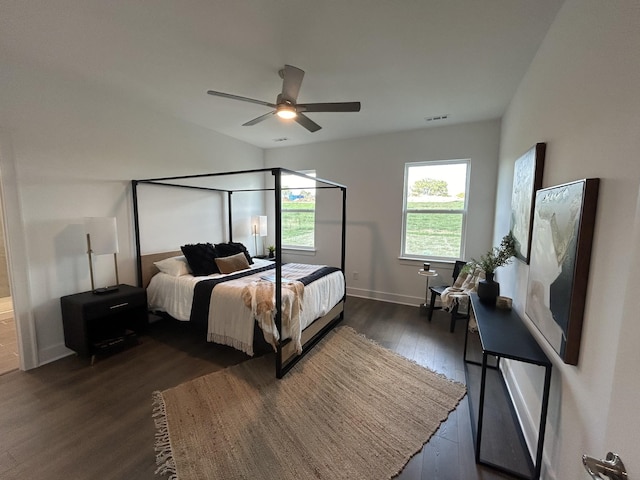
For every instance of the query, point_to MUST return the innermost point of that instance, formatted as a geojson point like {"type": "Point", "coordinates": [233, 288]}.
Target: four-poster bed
{"type": "Point", "coordinates": [309, 304]}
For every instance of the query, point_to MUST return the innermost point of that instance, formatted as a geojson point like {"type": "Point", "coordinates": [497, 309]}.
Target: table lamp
{"type": "Point", "coordinates": [102, 239]}
{"type": "Point", "coordinates": [259, 228]}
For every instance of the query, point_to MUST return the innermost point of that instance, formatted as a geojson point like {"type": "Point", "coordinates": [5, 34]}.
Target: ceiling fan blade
{"type": "Point", "coordinates": [258, 119]}
{"type": "Point", "coordinates": [329, 107]}
{"type": "Point", "coordinates": [307, 123]}
{"type": "Point", "coordinates": [291, 81]}
{"type": "Point", "coordinates": [243, 99]}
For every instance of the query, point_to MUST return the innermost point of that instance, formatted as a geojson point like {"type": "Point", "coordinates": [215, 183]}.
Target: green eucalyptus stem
{"type": "Point", "coordinates": [496, 257]}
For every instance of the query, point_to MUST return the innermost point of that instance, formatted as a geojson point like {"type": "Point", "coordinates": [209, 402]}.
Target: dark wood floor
{"type": "Point", "coordinates": [69, 420]}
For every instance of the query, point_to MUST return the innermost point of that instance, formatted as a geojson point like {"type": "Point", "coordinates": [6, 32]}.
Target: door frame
{"type": "Point", "coordinates": [17, 256]}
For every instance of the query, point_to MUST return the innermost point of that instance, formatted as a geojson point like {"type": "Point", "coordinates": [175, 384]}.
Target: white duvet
{"type": "Point", "coordinates": [230, 321]}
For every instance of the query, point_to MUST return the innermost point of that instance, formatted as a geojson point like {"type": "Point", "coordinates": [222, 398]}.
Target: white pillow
{"type": "Point", "coordinates": [174, 266]}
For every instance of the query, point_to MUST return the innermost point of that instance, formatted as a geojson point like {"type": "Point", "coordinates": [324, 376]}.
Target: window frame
{"type": "Point", "coordinates": [286, 246]}
{"type": "Point", "coordinates": [464, 211]}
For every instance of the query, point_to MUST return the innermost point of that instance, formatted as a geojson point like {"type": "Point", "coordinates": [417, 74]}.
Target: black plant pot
{"type": "Point", "coordinates": [488, 290]}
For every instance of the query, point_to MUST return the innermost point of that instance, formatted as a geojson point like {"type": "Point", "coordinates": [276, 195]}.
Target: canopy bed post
{"type": "Point", "coordinates": [344, 228]}
{"type": "Point", "coordinates": [344, 241]}
{"type": "Point", "coordinates": [136, 231]}
{"type": "Point", "coordinates": [277, 176]}
{"type": "Point", "coordinates": [230, 215]}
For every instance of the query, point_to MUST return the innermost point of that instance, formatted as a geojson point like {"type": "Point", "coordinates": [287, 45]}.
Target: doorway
{"type": "Point", "coordinates": [9, 358]}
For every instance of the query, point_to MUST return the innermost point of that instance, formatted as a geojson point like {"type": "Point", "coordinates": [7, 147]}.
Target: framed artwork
{"type": "Point", "coordinates": [563, 224]}
{"type": "Point", "coordinates": [527, 179]}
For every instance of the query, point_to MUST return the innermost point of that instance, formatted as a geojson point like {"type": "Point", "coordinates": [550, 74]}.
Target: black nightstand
{"type": "Point", "coordinates": [101, 324]}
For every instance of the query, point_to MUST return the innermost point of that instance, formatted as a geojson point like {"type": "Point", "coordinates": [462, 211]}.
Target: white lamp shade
{"type": "Point", "coordinates": [259, 225]}
{"type": "Point", "coordinates": [103, 232]}
{"type": "Point", "coordinates": [262, 226]}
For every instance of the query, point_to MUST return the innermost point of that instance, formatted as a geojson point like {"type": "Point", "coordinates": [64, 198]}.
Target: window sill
{"type": "Point", "coordinates": [299, 251]}
{"type": "Point", "coordinates": [413, 261]}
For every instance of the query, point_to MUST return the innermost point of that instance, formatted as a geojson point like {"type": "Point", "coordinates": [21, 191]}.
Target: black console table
{"type": "Point", "coordinates": [504, 335]}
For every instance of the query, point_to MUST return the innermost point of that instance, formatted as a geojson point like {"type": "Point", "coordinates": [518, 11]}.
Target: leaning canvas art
{"type": "Point", "coordinates": [563, 226]}
{"type": "Point", "coordinates": [527, 179]}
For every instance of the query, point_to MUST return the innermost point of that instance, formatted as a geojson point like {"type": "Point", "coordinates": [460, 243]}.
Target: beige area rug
{"type": "Point", "coordinates": [350, 409]}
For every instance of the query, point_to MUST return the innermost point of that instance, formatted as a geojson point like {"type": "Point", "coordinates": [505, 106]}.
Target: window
{"type": "Point", "coordinates": [435, 209]}
{"type": "Point", "coordinates": [298, 210]}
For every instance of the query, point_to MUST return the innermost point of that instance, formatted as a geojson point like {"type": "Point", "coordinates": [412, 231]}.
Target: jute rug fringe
{"type": "Point", "coordinates": [164, 455]}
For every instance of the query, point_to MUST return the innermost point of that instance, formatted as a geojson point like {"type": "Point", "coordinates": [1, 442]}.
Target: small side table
{"type": "Point", "coordinates": [265, 257]}
{"type": "Point", "coordinates": [101, 324]}
{"type": "Point", "coordinates": [424, 307]}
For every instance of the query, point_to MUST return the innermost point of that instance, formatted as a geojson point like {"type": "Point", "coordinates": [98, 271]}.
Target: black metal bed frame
{"type": "Point", "coordinates": [281, 367]}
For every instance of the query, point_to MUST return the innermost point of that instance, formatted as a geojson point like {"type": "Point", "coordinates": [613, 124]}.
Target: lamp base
{"type": "Point", "coordinates": [103, 290]}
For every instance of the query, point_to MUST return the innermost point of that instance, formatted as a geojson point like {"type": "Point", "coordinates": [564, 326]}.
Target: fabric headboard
{"type": "Point", "coordinates": [149, 269]}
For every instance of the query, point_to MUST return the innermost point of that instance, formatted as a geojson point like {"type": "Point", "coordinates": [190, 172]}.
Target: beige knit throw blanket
{"type": "Point", "coordinates": [466, 283]}
{"type": "Point", "coordinates": [259, 296]}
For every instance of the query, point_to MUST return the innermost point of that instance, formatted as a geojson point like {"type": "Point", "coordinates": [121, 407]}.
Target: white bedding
{"type": "Point", "coordinates": [232, 323]}
{"type": "Point", "coordinates": [174, 295]}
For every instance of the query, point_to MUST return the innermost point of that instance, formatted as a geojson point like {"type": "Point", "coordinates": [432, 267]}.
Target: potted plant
{"type": "Point", "coordinates": [488, 289]}
{"type": "Point", "coordinates": [272, 251]}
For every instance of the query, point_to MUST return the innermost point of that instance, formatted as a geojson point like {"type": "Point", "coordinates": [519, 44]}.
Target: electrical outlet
{"type": "Point", "coordinates": [356, 275]}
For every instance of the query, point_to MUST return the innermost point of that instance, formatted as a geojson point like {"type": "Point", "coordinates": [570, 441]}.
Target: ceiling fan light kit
{"type": "Point", "coordinates": [286, 111]}
{"type": "Point", "coordinates": [286, 105]}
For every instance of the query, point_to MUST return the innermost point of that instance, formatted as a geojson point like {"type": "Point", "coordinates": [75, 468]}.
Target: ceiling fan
{"type": "Point", "coordinates": [286, 105]}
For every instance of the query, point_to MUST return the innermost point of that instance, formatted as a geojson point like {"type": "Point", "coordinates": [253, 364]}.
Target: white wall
{"type": "Point", "coordinates": [171, 216]}
{"type": "Point", "coordinates": [372, 168]}
{"type": "Point", "coordinates": [70, 149]}
{"type": "Point", "coordinates": [580, 96]}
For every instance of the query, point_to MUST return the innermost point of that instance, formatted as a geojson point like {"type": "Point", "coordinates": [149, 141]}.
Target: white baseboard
{"type": "Point", "coordinates": [529, 425]}
{"type": "Point", "coordinates": [385, 297]}
{"type": "Point", "coordinates": [53, 353]}
{"type": "Point", "coordinates": [388, 297]}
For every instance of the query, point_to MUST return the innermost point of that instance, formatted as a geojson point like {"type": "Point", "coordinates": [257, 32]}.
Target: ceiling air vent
{"type": "Point", "coordinates": [436, 118]}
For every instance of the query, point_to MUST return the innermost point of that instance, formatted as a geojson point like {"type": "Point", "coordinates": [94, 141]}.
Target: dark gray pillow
{"type": "Point", "coordinates": [201, 258]}
{"type": "Point", "coordinates": [231, 248]}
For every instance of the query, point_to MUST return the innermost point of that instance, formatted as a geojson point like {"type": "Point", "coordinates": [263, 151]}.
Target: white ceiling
{"type": "Point", "coordinates": [404, 60]}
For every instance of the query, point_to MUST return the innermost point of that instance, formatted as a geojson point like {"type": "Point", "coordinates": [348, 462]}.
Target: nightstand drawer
{"type": "Point", "coordinates": [101, 309]}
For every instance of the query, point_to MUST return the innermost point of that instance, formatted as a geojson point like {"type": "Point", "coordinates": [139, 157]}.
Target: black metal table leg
{"type": "Point", "coordinates": [483, 382]}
